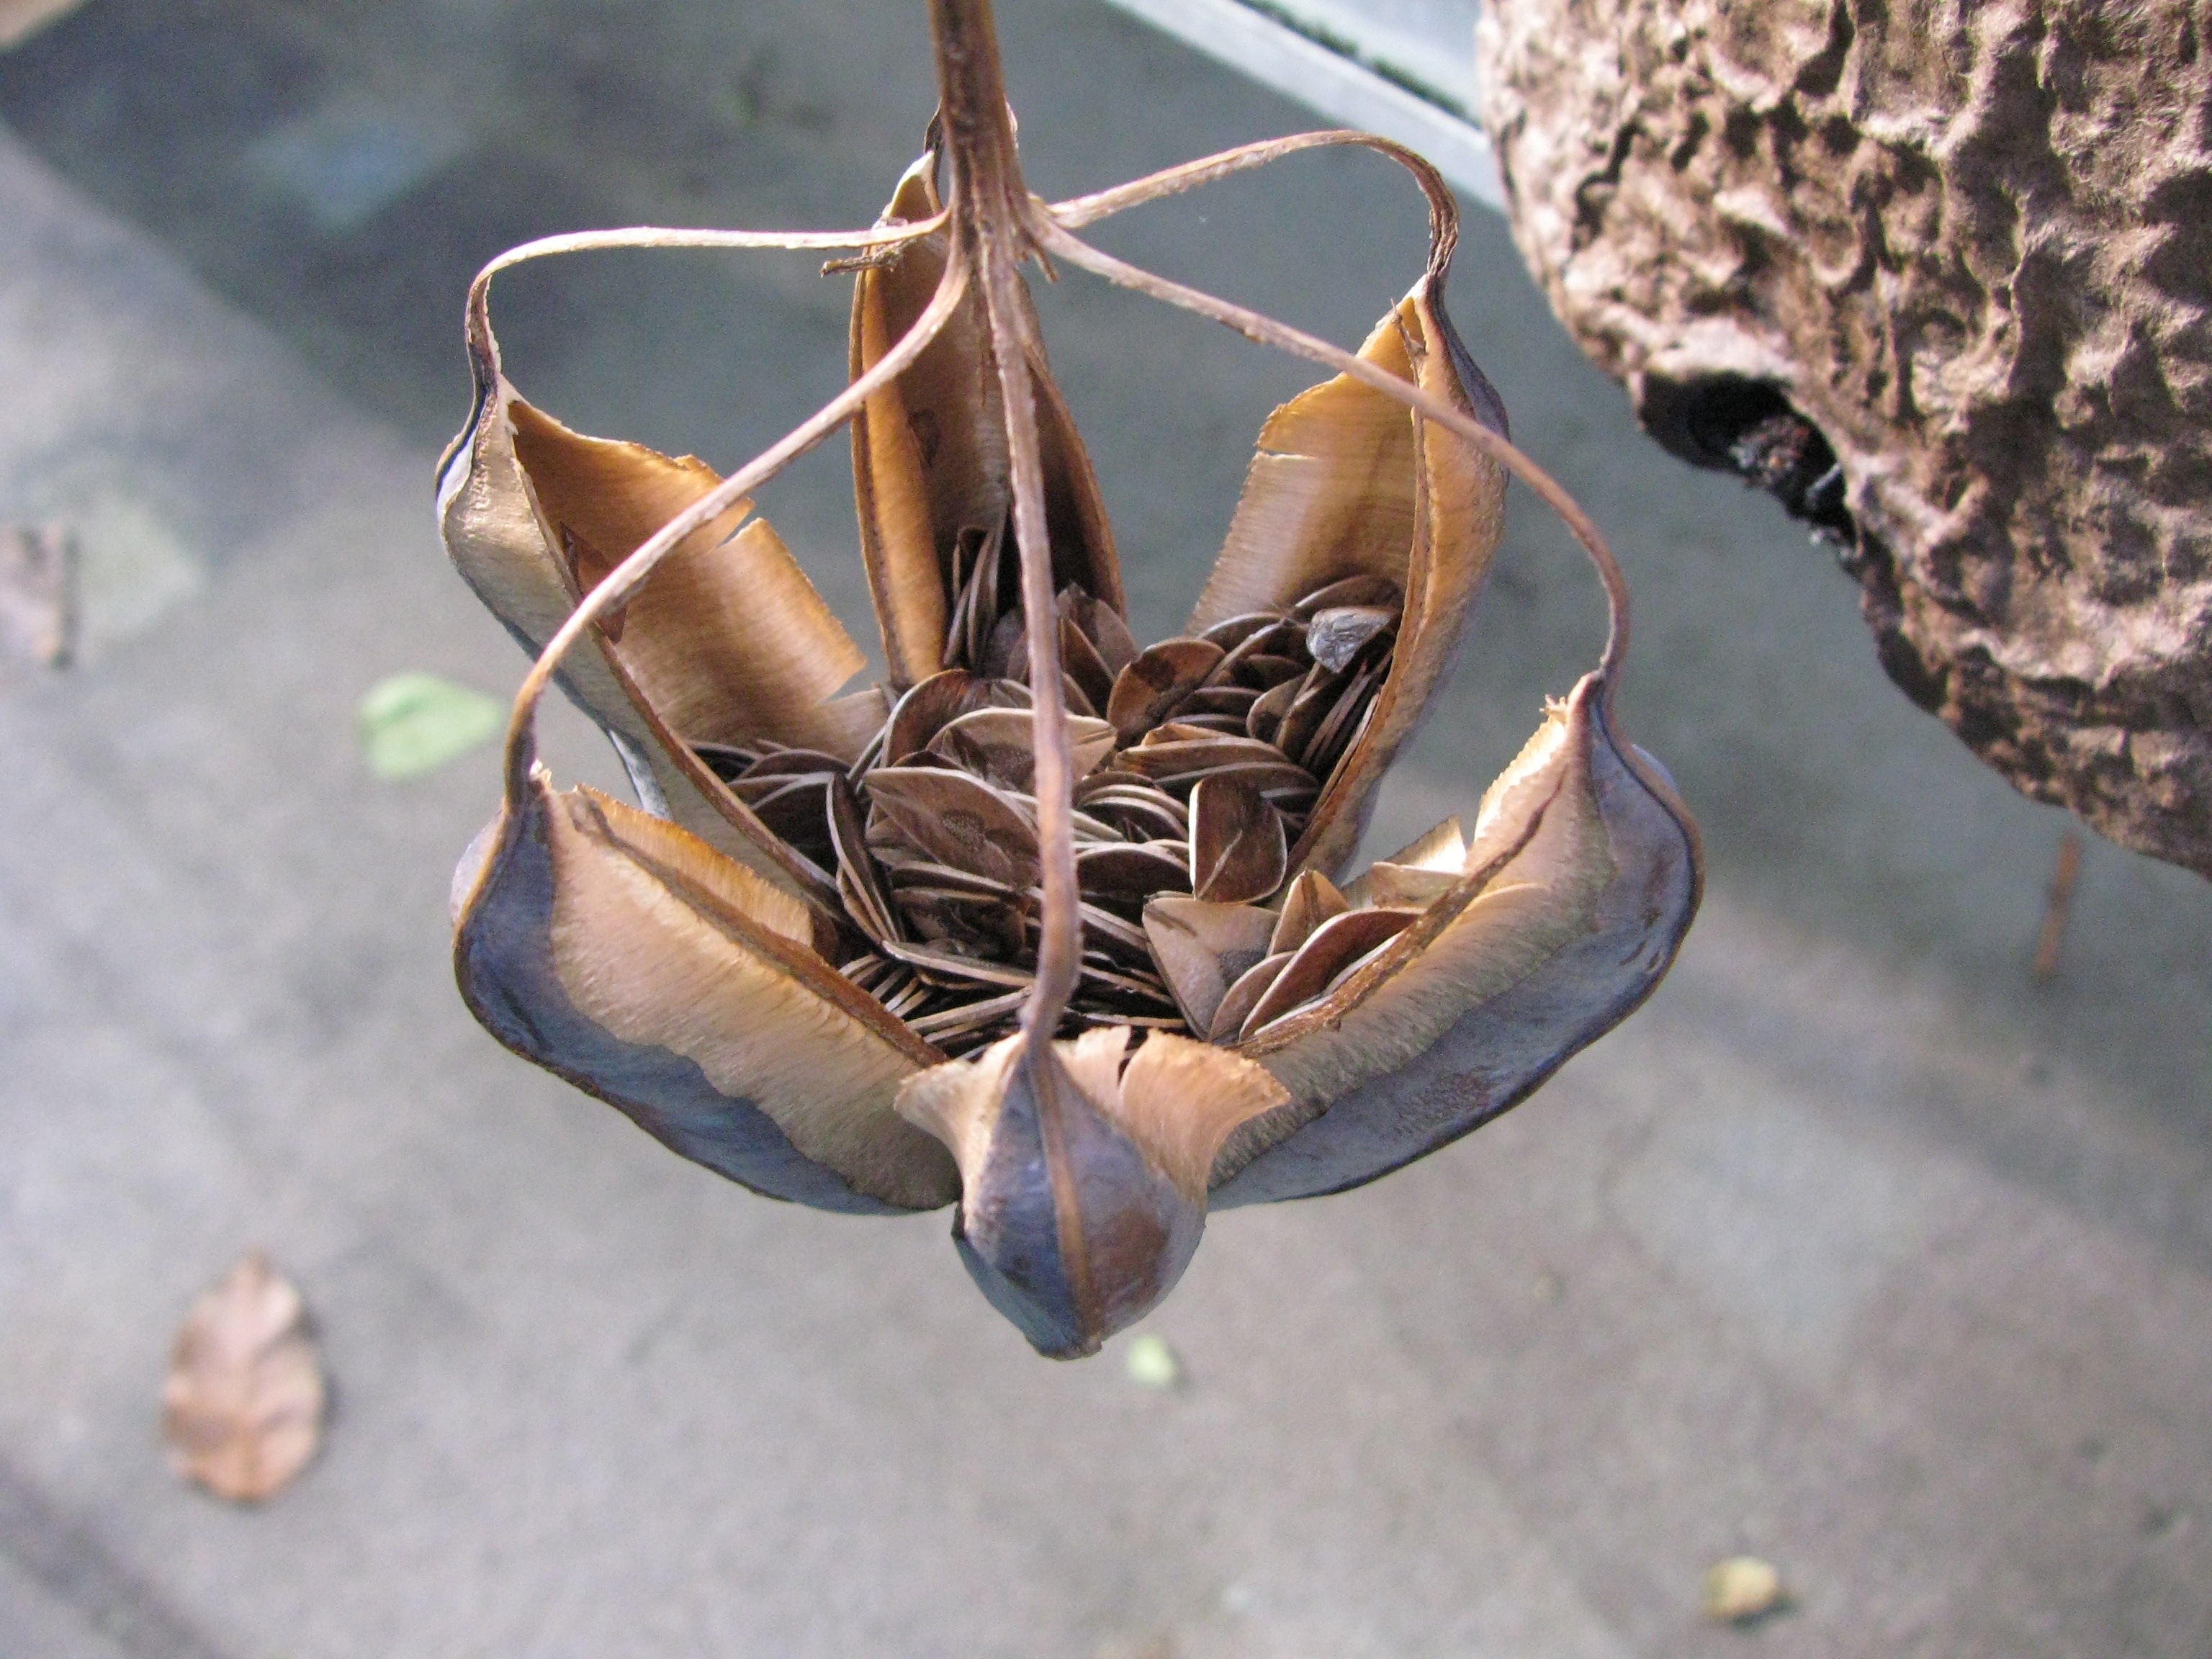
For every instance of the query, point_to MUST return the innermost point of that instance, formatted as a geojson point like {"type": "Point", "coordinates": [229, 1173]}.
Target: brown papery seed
{"type": "Point", "coordinates": [1333, 946]}
{"type": "Point", "coordinates": [1237, 847]}
{"type": "Point", "coordinates": [1231, 631]}
{"type": "Point", "coordinates": [1159, 678]}
{"type": "Point", "coordinates": [1353, 590]}
{"type": "Point", "coordinates": [1201, 949]}
{"type": "Point", "coordinates": [1264, 719]}
{"type": "Point", "coordinates": [959, 820]}
{"type": "Point", "coordinates": [1102, 626]}
{"type": "Point", "coordinates": [1337, 635]}
{"type": "Point", "coordinates": [1313, 899]}
{"type": "Point", "coordinates": [1243, 995]}
{"type": "Point", "coordinates": [1128, 874]}
{"type": "Point", "coordinates": [1084, 664]}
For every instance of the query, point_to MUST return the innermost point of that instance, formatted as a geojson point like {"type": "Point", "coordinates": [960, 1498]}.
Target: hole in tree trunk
{"type": "Point", "coordinates": [1747, 428]}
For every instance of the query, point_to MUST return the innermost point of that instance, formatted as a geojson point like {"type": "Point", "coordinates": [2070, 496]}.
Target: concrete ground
{"type": "Point", "coordinates": [1855, 1249]}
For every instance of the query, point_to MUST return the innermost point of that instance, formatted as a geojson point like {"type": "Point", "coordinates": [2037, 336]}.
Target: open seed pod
{"type": "Point", "coordinates": [1050, 926]}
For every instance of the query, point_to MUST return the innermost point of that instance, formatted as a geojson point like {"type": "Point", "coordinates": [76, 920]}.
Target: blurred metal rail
{"type": "Point", "coordinates": [1332, 57]}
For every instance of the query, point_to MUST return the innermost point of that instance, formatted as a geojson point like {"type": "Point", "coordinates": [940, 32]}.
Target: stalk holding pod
{"type": "Point", "coordinates": [1050, 926]}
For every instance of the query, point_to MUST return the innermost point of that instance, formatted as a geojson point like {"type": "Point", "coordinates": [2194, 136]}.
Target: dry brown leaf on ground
{"type": "Point", "coordinates": [242, 1410]}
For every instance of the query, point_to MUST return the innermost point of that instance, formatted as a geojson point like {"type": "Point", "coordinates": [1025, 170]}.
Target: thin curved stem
{"type": "Point", "coordinates": [1443, 209]}
{"type": "Point", "coordinates": [620, 583]}
{"type": "Point", "coordinates": [1059, 943]}
{"type": "Point", "coordinates": [1267, 331]}
{"type": "Point", "coordinates": [990, 212]}
{"type": "Point", "coordinates": [584, 241]}
{"type": "Point", "coordinates": [641, 236]}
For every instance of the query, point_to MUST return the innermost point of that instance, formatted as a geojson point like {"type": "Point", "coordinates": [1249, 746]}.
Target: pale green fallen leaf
{"type": "Point", "coordinates": [1741, 1588]}
{"type": "Point", "coordinates": [414, 723]}
{"type": "Point", "coordinates": [1150, 1364]}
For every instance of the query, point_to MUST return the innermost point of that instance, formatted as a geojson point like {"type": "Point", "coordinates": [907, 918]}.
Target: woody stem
{"type": "Point", "coordinates": [983, 172]}
{"type": "Point", "coordinates": [990, 213]}
{"type": "Point", "coordinates": [1059, 947]}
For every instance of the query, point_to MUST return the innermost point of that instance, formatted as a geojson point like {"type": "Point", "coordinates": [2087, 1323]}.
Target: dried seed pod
{"type": "Point", "coordinates": [931, 456]}
{"type": "Point", "coordinates": [1374, 497]}
{"type": "Point", "coordinates": [728, 640]}
{"type": "Point", "coordinates": [1581, 877]}
{"type": "Point", "coordinates": [622, 952]}
{"type": "Point", "coordinates": [944, 887]}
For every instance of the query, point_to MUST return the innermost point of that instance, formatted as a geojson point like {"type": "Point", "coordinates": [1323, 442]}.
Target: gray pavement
{"type": "Point", "coordinates": [1855, 1249]}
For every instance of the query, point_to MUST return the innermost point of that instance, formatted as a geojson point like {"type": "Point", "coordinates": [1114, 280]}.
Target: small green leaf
{"type": "Point", "coordinates": [1149, 1362]}
{"type": "Point", "coordinates": [414, 723]}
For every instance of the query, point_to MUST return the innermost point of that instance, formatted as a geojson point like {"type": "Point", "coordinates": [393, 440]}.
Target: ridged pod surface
{"type": "Point", "coordinates": [1940, 275]}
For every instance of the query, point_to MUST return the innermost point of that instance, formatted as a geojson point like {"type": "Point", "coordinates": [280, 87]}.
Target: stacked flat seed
{"type": "Point", "coordinates": [1197, 762]}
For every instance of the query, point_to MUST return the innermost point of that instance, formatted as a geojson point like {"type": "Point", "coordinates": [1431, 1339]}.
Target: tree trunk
{"type": "Point", "coordinates": [1940, 275]}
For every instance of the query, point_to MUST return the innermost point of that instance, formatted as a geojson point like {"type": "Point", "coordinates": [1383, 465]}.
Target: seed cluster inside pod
{"type": "Point", "coordinates": [1199, 760]}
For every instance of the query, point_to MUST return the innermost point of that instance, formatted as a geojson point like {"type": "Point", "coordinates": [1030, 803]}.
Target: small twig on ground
{"type": "Point", "coordinates": [2047, 945]}
{"type": "Point", "coordinates": [38, 593]}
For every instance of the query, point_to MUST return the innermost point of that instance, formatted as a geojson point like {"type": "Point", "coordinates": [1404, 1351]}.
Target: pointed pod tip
{"type": "Point", "coordinates": [1083, 1193]}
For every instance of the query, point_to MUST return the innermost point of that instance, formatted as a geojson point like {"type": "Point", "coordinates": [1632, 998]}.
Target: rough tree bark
{"type": "Point", "coordinates": [1940, 275]}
